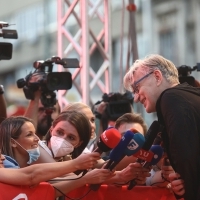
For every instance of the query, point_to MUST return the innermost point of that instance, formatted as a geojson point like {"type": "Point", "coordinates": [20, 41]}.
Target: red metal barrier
{"type": "Point", "coordinates": [106, 192]}
{"type": "Point", "coordinates": [43, 191]}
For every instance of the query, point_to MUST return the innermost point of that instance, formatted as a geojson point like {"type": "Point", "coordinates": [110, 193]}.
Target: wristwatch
{"type": "Point", "coordinates": [1, 89]}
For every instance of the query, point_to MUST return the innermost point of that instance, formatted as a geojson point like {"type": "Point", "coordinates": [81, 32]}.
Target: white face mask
{"type": "Point", "coordinates": [60, 147]}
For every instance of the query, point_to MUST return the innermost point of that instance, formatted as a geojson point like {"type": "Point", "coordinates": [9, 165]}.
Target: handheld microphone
{"type": "Point", "coordinates": [149, 139]}
{"type": "Point", "coordinates": [107, 141]}
{"type": "Point", "coordinates": [157, 151]}
{"type": "Point", "coordinates": [133, 147]}
{"type": "Point", "coordinates": [116, 154]}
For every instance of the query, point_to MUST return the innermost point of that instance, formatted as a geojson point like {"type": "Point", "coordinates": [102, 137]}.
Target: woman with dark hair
{"type": "Point", "coordinates": [85, 109]}
{"type": "Point", "coordinates": [74, 131]}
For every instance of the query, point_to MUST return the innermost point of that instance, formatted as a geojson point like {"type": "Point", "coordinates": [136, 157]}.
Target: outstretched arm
{"type": "Point", "coordinates": [37, 173]}
{"type": "Point", "coordinates": [95, 176]}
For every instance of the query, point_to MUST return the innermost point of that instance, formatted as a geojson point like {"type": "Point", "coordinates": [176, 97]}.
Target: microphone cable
{"type": "Point", "coordinates": [70, 197]}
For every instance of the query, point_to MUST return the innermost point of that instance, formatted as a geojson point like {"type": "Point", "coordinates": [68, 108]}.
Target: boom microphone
{"type": "Point", "coordinates": [149, 139]}
{"type": "Point", "coordinates": [107, 141]}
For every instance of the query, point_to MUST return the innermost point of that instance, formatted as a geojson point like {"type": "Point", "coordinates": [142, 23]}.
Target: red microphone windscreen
{"type": "Point", "coordinates": [111, 137]}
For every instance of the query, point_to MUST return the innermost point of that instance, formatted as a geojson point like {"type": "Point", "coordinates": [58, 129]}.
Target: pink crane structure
{"type": "Point", "coordinates": [83, 42]}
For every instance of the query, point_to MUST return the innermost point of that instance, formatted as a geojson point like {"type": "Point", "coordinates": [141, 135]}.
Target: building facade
{"type": "Point", "coordinates": [170, 28]}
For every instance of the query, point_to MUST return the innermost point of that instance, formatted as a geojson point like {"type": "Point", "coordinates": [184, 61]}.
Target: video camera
{"type": "Point", "coordinates": [47, 81]}
{"type": "Point", "coordinates": [184, 72]}
{"type": "Point", "coordinates": [5, 47]}
{"type": "Point", "coordinates": [117, 105]}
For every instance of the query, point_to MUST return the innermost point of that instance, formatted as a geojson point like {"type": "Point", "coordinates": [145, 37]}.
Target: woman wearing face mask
{"type": "Point", "coordinates": [20, 142]}
{"type": "Point", "coordinates": [85, 109]}
{"type": "Point", "coordinates": [81, 107]}
{"type": "Point", "coordinates": [69, 135]}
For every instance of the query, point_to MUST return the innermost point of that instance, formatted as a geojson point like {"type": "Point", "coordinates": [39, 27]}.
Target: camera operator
{"type": "Point", "coordinates": [111, 107]}
{"type": "Point", "coordinates": [3, 112]}
{"type": "Point", "coordinates": [43, 121]}
{"type": "Point", "coordinates": [41, 115]}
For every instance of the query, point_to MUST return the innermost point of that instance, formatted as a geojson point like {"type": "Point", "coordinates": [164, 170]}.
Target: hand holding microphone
{"type": "Point", "coordinates": [157, 152]}
{"type": "Point", "coordinates": [149, 139]}
{"type": "Point", "coordinates": [107, 141]}
{"type": "Point", "coordinates": [117, 153]}
{"type": "Point", "coordinates": [166, 169]}
{"type": "Point", "coordinates": [133, 147]}
{"type": "Point", "coordinates": [128, 145]}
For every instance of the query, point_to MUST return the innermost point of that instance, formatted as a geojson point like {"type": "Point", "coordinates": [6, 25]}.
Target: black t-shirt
{"type": "Point", "coordinates": [178, 110]}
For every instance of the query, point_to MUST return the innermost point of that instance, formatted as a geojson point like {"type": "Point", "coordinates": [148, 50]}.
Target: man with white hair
{"type": "Point", "coordinates": [155, 84]}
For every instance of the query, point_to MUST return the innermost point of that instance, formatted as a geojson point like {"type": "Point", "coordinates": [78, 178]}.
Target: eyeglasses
{"type": "Point", "coordinates": [135, 85]}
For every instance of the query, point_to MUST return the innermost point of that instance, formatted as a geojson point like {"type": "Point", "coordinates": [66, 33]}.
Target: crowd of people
{"type": "Point", "coordinates": [62, 141]}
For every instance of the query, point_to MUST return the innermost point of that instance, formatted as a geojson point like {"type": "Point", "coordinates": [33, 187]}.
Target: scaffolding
{"type": "Point", "coordinates": [83, 40]}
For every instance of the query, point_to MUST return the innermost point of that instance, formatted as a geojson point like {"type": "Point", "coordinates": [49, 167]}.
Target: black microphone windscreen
{"type": "Point", "coordinates": [102, 147]}
{"type": "Point", "coordinates": [151, 135]}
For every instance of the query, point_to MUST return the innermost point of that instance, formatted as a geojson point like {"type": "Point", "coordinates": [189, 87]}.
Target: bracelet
{"type": "Point", "coordinates": [1, 89]}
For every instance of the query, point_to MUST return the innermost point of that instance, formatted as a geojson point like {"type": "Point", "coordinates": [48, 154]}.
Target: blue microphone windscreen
{"type": "Point", "coordinates": [158, 153]}
{"type": "Point", "coordinates": [118, 152]}
{"type": "Point", "coordinates": [135, 144]}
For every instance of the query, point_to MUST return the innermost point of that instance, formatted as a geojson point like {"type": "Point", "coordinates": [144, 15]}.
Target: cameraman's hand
{"type": "Point", "coordinates": [100, 108]}
{"type": "Point", "coordinates": [32, 109]}
{"type": "Point", "coordinates": [86, 161]}
{"type": "Point", "coordinates": [37, 95]}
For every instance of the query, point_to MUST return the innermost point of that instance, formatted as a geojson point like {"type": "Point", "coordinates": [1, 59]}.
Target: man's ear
{"type": "Point", "coordinates": [158, 77]}
{"type": "Point", "coordinates": [13, 143]}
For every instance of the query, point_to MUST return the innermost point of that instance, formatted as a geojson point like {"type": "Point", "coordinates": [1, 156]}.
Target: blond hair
{"type": "Point", "coordinates": [150, 63]}
{"type": "Point", "coordinates": [79, 106]}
